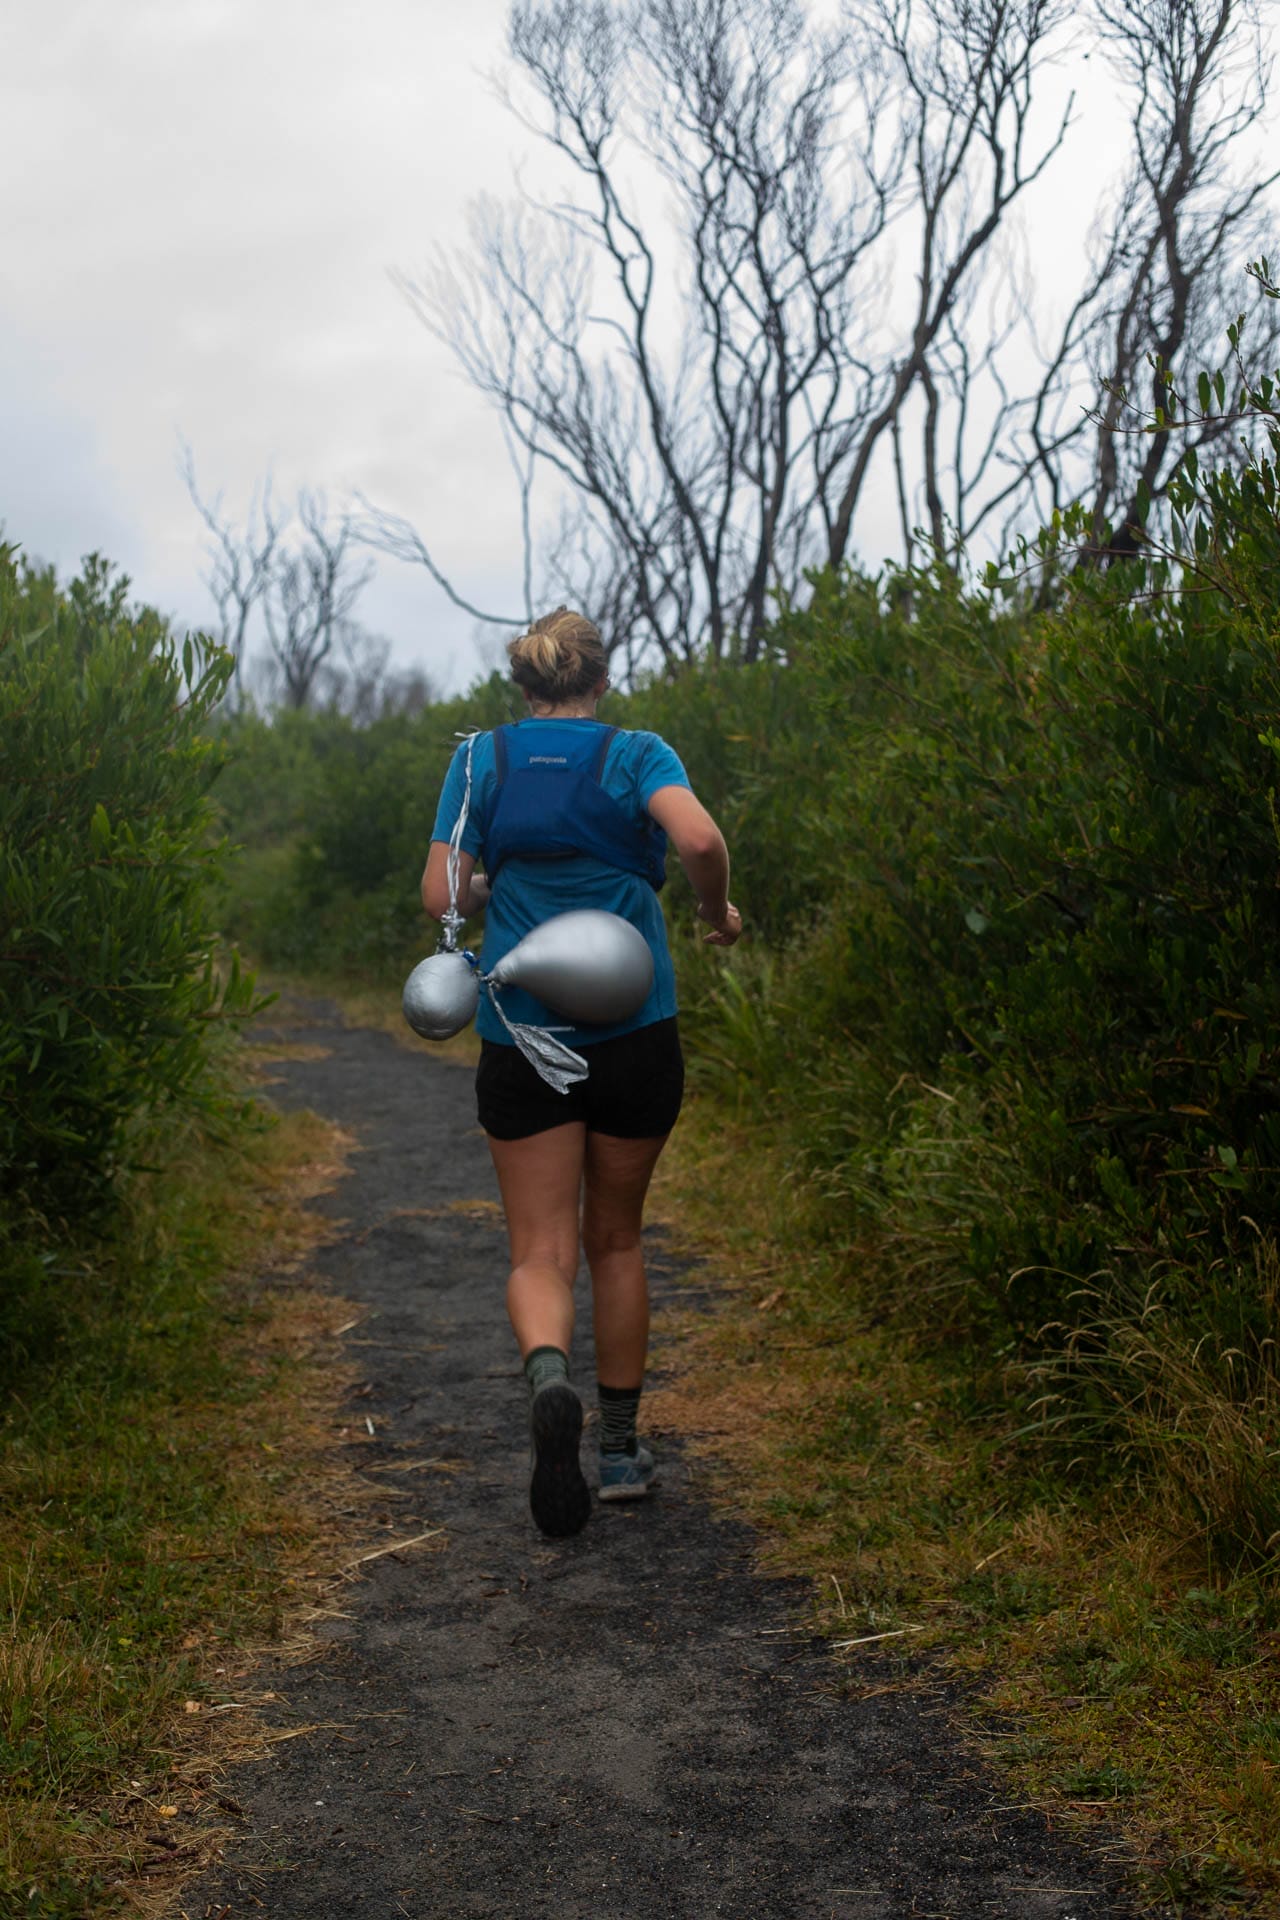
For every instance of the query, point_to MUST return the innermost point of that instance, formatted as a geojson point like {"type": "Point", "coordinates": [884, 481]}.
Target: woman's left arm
{"type": "Point", "coordinates": [473, 888]}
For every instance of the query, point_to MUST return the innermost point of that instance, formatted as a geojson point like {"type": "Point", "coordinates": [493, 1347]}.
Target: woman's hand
{"type": "Point", "coordinates": [725, 928]}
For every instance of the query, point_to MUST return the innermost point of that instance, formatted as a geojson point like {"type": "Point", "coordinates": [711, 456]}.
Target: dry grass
{"type": "Point", "coordinates": [194, 1526]}
{"type": "Point", "coordinates": [1129, 1698]}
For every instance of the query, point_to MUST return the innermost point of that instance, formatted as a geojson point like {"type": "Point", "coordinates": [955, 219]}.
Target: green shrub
{"type": "Point", "coordinates": [111, 999]}
{"type": "Point", "coordinates": [335, 821]}
{"type": "Point", "coordinates": [1048, 845]}
{"type": "Point", "coordinates": [747, 738]}
{"type": "Point", "coordinates": [1031, 1043]}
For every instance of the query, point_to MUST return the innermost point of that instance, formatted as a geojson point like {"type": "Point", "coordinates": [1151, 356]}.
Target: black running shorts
{"type": "Point", "coordinates": [633, 1090]}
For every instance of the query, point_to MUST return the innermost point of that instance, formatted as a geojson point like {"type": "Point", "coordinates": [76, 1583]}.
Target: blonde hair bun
{"type": "Point", "coordinates": [560, 658]}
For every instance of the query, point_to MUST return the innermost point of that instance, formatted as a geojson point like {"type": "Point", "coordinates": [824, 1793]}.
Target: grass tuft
{"type": "Point", "coordinates": [1114, 1682]}
{"type": "Point", "coordinates": [166, 1455]}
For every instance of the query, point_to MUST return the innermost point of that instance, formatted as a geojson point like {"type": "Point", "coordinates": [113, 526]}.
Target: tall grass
{"type": "Point", "coordinates": [139, 1199]}
{"type": "Point", "coordinates": [148, 1511]}
{"type": "Point", "coordinates": [1194, 1415]}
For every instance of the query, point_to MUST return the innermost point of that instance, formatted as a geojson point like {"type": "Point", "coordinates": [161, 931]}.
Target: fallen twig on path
{"type": "Point", "coordinates": [397, 1546]}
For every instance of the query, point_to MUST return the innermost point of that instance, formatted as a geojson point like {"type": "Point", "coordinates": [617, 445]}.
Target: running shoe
{"type": "Point", "coordinates": [559, 1498]}
{"type": "Point", "coordinates": [626, 1476]}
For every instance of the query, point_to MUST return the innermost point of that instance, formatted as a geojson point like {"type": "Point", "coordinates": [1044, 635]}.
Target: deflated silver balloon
{"type": "Point", "coordinates": [591, 967]}
{"type": "Point", "coordinates": [441, 996]}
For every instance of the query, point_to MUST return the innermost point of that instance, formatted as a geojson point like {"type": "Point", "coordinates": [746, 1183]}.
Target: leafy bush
{"type": "Point", "coordinates": [1077, 835]}
{"type": "Point", "coordinates": [111, 999]}
{"type": "Point", "coordinates": [747, 739]}
{"type": "Point", "coordinates": [1032, 1041]}
{"type": "Point", "coordinates": [336, 819]}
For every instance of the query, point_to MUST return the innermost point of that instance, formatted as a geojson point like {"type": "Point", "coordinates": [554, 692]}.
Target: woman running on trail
{"type": "Point", "coordinates": [569, 813]}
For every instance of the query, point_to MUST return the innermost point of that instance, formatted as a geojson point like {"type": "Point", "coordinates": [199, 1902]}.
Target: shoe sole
{"type": "Point", "coordinates": [626, 1493]}
{"type": "Point", "coordinates": [559, 1497]}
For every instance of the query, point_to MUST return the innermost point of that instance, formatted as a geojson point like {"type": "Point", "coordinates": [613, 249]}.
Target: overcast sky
{"type": "Point", "coordinates": [202, 203]}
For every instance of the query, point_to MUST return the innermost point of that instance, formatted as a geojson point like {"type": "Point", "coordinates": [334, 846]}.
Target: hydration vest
{"type": "Point", "coordinates": [551, 804]}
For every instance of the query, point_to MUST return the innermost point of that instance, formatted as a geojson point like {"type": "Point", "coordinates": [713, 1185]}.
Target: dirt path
{"type": "Point", "coordinates": [621, 1727]}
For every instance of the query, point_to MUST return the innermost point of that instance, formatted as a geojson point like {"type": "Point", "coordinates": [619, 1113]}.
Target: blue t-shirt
{"type": "Point", "coordinates": [527, 892]}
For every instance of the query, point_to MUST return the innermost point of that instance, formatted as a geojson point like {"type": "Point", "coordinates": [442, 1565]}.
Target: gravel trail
{"type": "Point", "coordinates": [624, 1726]}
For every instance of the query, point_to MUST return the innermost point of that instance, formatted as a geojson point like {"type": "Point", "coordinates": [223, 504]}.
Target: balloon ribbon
{"type": "Point", "coordinates": [453, 921]}
{"type": "Point", "coordinates": [553, 1060]}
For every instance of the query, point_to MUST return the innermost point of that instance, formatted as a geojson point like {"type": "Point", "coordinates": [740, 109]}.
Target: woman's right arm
{"type": "Point", "coordinates": [473, 888]}
{"type": "Point", "coordinates": [700, 846]}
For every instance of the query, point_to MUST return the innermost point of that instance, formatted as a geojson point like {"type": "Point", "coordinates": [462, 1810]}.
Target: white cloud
{"type": "Point", "coordinates": [208, 197]}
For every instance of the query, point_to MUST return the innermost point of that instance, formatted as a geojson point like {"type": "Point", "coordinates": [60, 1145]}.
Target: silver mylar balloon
{"type": "Point", "coordinates": [441, 996]}
{"type": "Point", "coordinates": [589, 966]}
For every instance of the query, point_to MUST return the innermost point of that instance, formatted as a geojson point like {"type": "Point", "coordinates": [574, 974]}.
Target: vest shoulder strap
{"type": "Point", "coordinates": [602, 754]}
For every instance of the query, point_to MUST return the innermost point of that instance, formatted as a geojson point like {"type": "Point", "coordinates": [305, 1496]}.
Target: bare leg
{"type": "Point", "coordinates": [617, 1178]}
{"type": "Point", "coordinates": [540, 1180]}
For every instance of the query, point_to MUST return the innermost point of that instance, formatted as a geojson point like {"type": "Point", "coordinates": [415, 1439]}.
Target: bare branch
{"type": "Point", "coordinates": [719, 397]}
{"type": "Point", "coordinates": [240, 563]}
{"type": "Point", "coordinates": [391, 534]}
{"type": "Point", "coordinates": [310, 596]}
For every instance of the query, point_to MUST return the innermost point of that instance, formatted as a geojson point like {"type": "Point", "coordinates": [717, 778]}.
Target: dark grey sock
{"type": "Point", "coordinates": [618, 1409]}
{"type": "Point", "coordinates": [543, 1365]}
